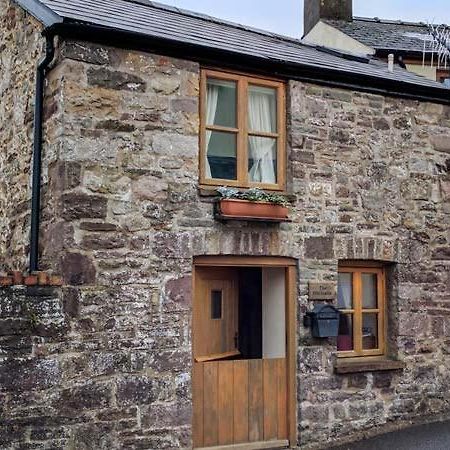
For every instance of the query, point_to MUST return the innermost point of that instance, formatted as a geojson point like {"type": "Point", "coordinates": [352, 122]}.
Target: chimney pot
{"type": "Point", "coordinates": [391, 62]}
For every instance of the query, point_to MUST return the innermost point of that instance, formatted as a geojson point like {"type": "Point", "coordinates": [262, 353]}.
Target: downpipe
{"type": "Point", "coordinates": [41, 72]}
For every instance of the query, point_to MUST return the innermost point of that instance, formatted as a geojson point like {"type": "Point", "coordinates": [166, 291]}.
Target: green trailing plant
{"type": "Point", "coordinates": [252, 195]}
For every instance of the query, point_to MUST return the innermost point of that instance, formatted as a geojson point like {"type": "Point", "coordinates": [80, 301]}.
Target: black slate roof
{"type": "Point", "coordinates": [393, 35]}
{"type": "Point", "coordinates": [153, 20]}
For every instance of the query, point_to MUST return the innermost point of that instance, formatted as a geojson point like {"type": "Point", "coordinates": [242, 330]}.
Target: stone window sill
{"type": "Point", "coordinates": [357, 365]}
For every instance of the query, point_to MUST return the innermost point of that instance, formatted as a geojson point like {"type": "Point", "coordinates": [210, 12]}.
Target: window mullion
{"type": "Point", "coordinates": [242, 133]}
{"type": "Point", "coordinates": [357, 306]}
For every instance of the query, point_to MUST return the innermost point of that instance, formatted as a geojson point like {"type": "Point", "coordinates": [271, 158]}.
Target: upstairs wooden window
{"type": "Point", "coordinates": [362, 303]}
{"type": "Point", "coordinates": [242, 131]}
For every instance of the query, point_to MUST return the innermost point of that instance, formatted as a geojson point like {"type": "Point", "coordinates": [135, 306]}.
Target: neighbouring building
{"type": "Point", "coordinates": [331, 23]}
{"type": "Point", "coordinates": [151, 316]}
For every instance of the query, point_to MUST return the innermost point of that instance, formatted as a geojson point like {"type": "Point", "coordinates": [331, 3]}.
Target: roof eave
{"type": "Point", "coordinates": [239, 61]}
{"type": "Point", "coordinates": [41, 12]}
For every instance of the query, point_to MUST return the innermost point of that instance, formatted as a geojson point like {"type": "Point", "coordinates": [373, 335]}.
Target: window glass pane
{"type": "Point", "coordinates": [370, 331]}
{"type": "Point", "coordinates": [262, 109]}
{"type": "Point", "coordinates": [345, 291]}
{"type": "Point", "coordinates": [262, 160]}
{"type": "Point", "coordinates": [216, 304]}
{"type": "Point", "coordinates": [345, 336]}
{"type": "Point", "coordinates": [221, 155]}
{"type": "Point", "coordinates": [221, 103]}
{"type": "Point", "coordinates": [369, 290]}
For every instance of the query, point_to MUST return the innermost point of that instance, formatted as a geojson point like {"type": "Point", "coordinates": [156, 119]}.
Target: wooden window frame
{"type": "Point", "coordinates": [357, 311]}
{"type": "Point", "coordinates": [242, 133]}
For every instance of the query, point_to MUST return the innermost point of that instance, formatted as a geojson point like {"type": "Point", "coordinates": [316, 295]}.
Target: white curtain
{"type": "Point", "coordinates": [261, 149]}
{"type": "Point", "coordinates": [212, 96]}
{"type": "Point", "coordinates": [345, 291]}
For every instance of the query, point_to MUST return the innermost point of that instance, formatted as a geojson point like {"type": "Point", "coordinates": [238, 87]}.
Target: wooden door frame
{"type": "Point", "coordinates": [290, 265]}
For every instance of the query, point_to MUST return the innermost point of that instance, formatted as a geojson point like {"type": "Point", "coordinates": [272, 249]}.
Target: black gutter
{"type": "Point", "coordinates": [216, 57]}
{"type": "Point", "coordinates": [41, 72]}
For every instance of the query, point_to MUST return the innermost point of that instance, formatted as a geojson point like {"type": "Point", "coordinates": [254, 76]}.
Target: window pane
{"type": "Point", "coordinates": [369, 290]}
{"type": "Point", "coordinates": [345, 291]}
{"type": "Point", "coordinates": [221, 155]}
{"type": "Point", "coordinates": [221, 103]}
{"type": "Point", "coordinates": [345, 336]}
{"type": "Point", "coordinates": [262, 109]}
{"type": "Point", "coordinates": [370, 331]}
{"type": "Point", "coordinates": [216, 304]}
{"type": "Point", "coordinates": [262, 160]}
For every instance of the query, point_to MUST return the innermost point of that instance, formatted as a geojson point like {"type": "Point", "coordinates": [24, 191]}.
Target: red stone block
{"type": "Point", "coordinates": [30, 280]}
{"type": "Point", "coordinates": [6, 281]}
{"type": "Point", "coordinates": [17, 277]}
{"type": "Point", "coordinates": [56, 280]}
{"type": "Point", "coordinates": [43, 278]}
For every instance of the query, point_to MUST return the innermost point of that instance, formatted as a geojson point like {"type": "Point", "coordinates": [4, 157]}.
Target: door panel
{"type": "Point", "coordinates": [241, 401]}
{"type": "Point", "coordinates": [216, 313]}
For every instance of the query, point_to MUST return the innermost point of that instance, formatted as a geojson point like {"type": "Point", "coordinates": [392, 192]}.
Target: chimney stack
{"type": "Point", "coordinates": [314, 10]}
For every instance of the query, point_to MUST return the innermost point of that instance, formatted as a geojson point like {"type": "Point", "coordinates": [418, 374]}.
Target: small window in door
{"type": "Point", "coordinates": [216, 305]}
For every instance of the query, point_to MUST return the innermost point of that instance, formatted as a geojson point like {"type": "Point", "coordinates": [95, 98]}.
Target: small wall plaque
{"type": "Point", "coordinates": [322, 290]}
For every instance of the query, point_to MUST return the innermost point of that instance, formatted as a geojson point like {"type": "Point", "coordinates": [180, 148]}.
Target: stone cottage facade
{"type": "Point", "coordinates": [105, 360]}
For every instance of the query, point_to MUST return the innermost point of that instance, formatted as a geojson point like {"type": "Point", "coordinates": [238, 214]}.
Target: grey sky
{"type": "Point", "coordinates": [286, 16]}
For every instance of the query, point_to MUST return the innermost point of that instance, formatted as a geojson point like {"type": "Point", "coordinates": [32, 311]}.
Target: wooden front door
{"type": "Point", "coordinates": [236, 400]}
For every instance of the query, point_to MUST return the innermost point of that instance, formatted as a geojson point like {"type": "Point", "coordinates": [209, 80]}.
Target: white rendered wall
{"type": "Point", "coordinates": [328, 36]}
{"type": "Point", "coordinates": [274, 312]}
{"type": "Point", "coordinates": [425, 71]}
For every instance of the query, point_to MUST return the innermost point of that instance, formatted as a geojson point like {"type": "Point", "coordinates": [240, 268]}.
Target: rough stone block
{"type": "Point", "coordinates": [441, 143]}
{"type": "Point", "coordinates": [103, 241]}
{"type": "Point", "coordinates": [178, 294]}
{"type": "Point", "coordinates": [77, 269]}
{"type": "Point", "coordinates": [29, 374]}
{"type": "Point", "coordinates": [315, 414]}
{"type": "Point", "coordinates": [81, 206]}
{"type": "Point", "coordinates": [90, 395]}
{"type": "Point", "coordinates": [88, 53]}
{"type": "Point", "coordinates": [172, 245]}
{"type": "Point", "coordinates": [357, 381]}
{"type": "Point", "coordinates": [311, 359]}
{"type": "Point", "coordinates": [136, 390]}
{"type": "Point", "coordinates": [116, 80]}
{"type": "Point", "coordinates": [319, 247]}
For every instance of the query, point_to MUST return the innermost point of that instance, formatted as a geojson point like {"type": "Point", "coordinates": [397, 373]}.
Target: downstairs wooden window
{"type": "Point", "coordinates": [242, 122]}
{"type": "Point", "coordinates": [362, 303]}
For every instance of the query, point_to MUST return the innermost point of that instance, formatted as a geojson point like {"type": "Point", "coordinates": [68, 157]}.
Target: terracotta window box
{"type": "Point", "coordinates": [235, 209]}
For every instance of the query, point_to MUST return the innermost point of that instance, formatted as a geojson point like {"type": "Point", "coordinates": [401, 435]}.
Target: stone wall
{"type": "Point", "coordinates": [20, 49]}
{"type": "Point", "coordinates": [372, 179]}
{"type": "Point", "coordinates": [124, 218]}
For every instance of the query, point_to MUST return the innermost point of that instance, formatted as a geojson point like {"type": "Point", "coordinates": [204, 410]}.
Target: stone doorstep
{"type": "Point", "coordinates": [344, 367]}
{"type": "Point", "coordinates": [41, 278]}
